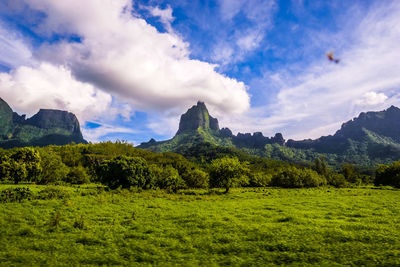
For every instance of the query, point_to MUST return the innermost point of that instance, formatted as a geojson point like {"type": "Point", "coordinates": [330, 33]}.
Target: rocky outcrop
{"type": "Point", "coordinates": [47, 127]}
{"type": "Point", "coordinates": [197, 116]}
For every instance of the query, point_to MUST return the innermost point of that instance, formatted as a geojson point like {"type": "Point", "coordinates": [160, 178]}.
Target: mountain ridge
{"type": "Point", "coordinates": [46, 127]}
{"type": "Point", "coordinates": [370, 138]}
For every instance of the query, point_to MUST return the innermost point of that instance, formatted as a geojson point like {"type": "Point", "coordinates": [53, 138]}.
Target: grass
{"type": "Point", "coordinates": [247, 227]}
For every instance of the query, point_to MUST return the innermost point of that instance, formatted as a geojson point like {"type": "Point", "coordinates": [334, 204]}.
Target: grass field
{"type": "Point", "coordinates": [254, 226]}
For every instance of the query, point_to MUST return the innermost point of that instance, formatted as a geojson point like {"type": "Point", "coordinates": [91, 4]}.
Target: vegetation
{"type": "Point", "coordinates": [114, 204]}
{"type": "Point", "coordinates": [88, 225]}
{"type": "Point", "coordinates": [388, 174]}
{"type": "Point", "coordinates": [204, 165]}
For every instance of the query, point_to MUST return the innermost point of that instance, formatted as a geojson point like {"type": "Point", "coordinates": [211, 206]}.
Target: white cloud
{"type": "Point", "coordinates": [250, 41]}
{"type": "Point", "coordinates": [310, 102]}
{"type": "Point", "coordinates": [129, 58]}
{"type": "Point", "coordinates": [95, 134]}
{"type": "Point", "coordinates": [235, 45]}
{"type": "Point", "coordinates": [165, 16]}
{"type": "Point", "coordinates": [26, 89]}
{"type": "Point", "coordinates": [14, 51]}
{"type": "Point", "coordinates": [372, 99]}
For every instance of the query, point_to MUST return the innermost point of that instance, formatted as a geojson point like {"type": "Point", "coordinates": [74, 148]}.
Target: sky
{"type": "Point", "coordinates": [128, 69]}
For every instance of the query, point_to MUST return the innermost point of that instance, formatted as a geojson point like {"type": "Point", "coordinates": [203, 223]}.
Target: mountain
{"type": "Point", "coordinates": [47, 127]}
{"type": "Point", "coordinates": [197, 126]}
{"type": "Point", "coordinates": [369, 139]}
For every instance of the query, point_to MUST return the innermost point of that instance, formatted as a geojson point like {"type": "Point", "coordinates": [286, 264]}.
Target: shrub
{"type": "Point", "coordinates": [293, 177]}
{"type": "Point", "coordinates": [123, 171]}
{"type": "Point", "coordinates": [388, 174]}
{"type": "Point", "coordinates": [196, 178]}
{"type": "Point", "coordinates": [30, 159]}
{"type": "Point", "coordinates": [259, 179]}
{"type": "Point", "coordinates": [166, 177]}
{"type": "Point", "coordinates": [54, 170]}
{"type": "Point", "coordinates": [53, 192]}
{"type": "Point", "coordinates": [77, 175]}
{"type": "Point", "coordinates": [55, 219]}
{"type": "Point", "coordinates": [337, 180]}
{"type": "Point", "coordinates": [15, 194]}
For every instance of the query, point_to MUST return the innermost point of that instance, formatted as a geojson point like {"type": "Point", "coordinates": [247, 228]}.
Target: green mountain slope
{"type": "Point", "coordinates": [47, 127]}
{"type": "Point", "coordinates": [369, 139]}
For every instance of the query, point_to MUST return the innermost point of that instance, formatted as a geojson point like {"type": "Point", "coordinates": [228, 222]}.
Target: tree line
{"type": "Point", "coordinates": [120, 164]}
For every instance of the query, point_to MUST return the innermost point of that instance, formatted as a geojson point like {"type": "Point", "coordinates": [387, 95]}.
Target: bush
{"type": "Point", "coordinates": [54, 170]}
{"type": "Point", "coordinates": [292, 177]}
{"type": "Point", "coordinates": [53, 192]}
{"type": "Point", "coordinates": [196, 178]}
{"type": "Point", "coordinates": [125, 172]}
{"type": "Point", "coordinates": [388, 174]}
{"type": "Point", "coordinates": [227, 172]}
{"type": "Point", "coordinates": [166, 177]}
{"type": "Point", "coordinates": [337, 180]}
{"type": "Point", "coordinates": [77, 175]}
{"type": "Point", "coordinates": [259, 179]}
{"type": "Point", "coordinates": [15, 194]}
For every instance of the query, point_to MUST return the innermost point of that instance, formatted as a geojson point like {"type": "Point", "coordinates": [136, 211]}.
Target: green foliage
{"type": "Point", "coordinates": [388, 174]}
{"type": "Point", "coordinates": [54, 170]}
{"type": "Point", "coordinates": [247, 227]}
{"type": "Point", "coordinates": [337, 180]}
{"type": "Point", "coordinates": [55, 219]}
{"type": "Point", "coordinates": [53, 192]}
{"type": "Point", "coordinates": [166, 177]}
{"type": "Point", "coordinates": [227, 172]}
{"type": "Point", "coordinates": [77, 175]}
{"type": "Point", "coordinates": [15, 194]}
{"type": "Point", "coordinates": [125, 172]}
{"type": "Point", "coordinates": [17, 165]}
{"type": "Point", "coordinates": [196, 178]}
{"type": "Point", "coordinates": [29, 157]}
{"type": "Point", "coordinates": [17, 171]}
{"type": "Point", "coordinates": [294, 178]}
{"type": "Point", "coordinates": [259, 179]}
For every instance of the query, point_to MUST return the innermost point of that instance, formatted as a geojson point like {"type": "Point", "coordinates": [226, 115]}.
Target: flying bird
{"type": "Point", "coordinates": [331, 58]}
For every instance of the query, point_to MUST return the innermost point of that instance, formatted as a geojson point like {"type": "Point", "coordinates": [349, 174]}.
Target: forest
{"type": "Point", "coordinates": [119, 164]}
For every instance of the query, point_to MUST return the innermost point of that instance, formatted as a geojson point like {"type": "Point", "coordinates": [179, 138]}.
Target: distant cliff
{"type": "Point", "coordinates": [371, 138]}
{"type": "Point", "coordinates": [47, 127]}
{"type": "Point", "coordinates": [197, 125]}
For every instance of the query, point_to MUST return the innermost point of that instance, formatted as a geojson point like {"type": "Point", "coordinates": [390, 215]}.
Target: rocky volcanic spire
{"type": "Point", "coordinates": [197, 116]}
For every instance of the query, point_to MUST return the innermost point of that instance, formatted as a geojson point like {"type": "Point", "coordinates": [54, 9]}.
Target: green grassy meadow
{"type": "Point", "coordinates": [88, 225]}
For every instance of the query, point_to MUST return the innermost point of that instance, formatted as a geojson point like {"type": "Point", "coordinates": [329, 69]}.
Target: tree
{"type": "Point", "coordinates": [293, 177]}
{"type": "Point", "coordinates": [320, 166]}
{"type": "Point", "coordinates": [388, 174]}
{"type": "Point", "coordinates": [54, 170]}
{"type": "Point", "coordinates": [350, 173]}
{"type": "Point", "coordinates": [227, 172]}
{"type": "Point", "coordinates": [166, 177]}
{"type": "Point", "coordinates": [17, 171]}
{"type": "Point", "coordinates": [77, 175]}
{"type": "Point", "coordinates": [196, 178]}
{"type": "Point", "coordinates": [29, 157]}
{"type": "Point", "coordinates": [12, 170]}
{"type": "Point", "coordinates": [125, 171]}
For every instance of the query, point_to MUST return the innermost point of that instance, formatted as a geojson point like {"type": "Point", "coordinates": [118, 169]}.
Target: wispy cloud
{"type": "Point", "coordinates": [14, 50]}
{"type": "Point", "coordinates": [96, 134]}
{"type": "Point", "coordinates": [310, 102]}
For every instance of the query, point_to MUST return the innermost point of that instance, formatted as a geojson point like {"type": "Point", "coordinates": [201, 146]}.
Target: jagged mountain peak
{"type": "Point", "coordinates": [386, 123]}
{"type": "Point", "coordinates": [47, 127]}
{"type": "Point", "coordinates": [197, 116]}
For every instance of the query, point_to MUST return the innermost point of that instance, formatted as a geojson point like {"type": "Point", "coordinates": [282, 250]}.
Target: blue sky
{"type": "Point", "coordinates": [128, 69]}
